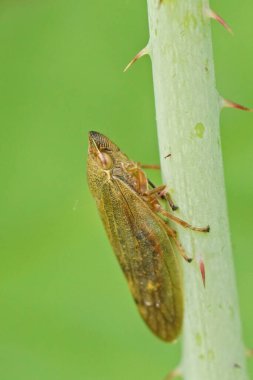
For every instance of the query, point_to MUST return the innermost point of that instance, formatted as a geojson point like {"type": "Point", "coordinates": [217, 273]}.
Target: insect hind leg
{"type": "Point", "coordinates": [183, 223]}
{"type": "Point", "coordinates": [172, 233]}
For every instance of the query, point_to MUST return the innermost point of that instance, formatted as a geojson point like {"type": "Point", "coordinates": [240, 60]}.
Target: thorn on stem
{"type": "Point", "coordinates": [225, 103]}
{"type": "Point", "coordinates": [249, 353]}
{"type": "Point", "coordinates": [210, 13]}
{"type": "Point", "coordinates": [202, 270]}
{"type": "Point", "coordinates": [138, 56]}
{"type": "Point", "coordinates": [177, 372]}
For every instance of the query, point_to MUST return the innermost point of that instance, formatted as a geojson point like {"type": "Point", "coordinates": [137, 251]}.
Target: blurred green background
{"type": "Point", "coordinates": [65, 310]}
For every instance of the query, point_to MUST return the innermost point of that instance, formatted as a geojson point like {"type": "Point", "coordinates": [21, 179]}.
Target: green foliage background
{"type": "Point", "coordinates": [66, 312]}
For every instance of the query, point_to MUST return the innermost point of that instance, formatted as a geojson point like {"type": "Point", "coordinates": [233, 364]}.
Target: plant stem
{"type": "Point", "coordinates": [187, 111]}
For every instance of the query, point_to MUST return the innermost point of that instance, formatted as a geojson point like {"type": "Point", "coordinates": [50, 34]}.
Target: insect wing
{"type": "Point", "coordinates": [146, 256]}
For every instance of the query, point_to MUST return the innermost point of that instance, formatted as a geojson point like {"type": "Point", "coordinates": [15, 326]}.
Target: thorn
{"type": "Point", "coordinates": [225, 103]}
{"type": "Point", "coordinates": [202, 270]}
{"type": "Point", "coordinates": [138, 56]}
{"type": "Point", "coordinates": [177, 372]}
{"type": "Point", "coordinates": [249, 353]}
{"type": "Point", "coordinates": [210, 13]}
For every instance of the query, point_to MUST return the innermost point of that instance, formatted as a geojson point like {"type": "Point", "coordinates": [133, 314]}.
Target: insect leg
{"type": "Point", "coordinates": [140, 177]}
{"type": "Point", "coordinates": [175, 219]}
{"type": "Point", "coordinates": [163, 193]}
{"type": "Point", "coordinates": [155, 167]}
{"type": "Point", "coordinates": [172, 233]}
{"type": "Point", "coordinates": [167, 196]}
{"type": "Point", "coordinates": [158, 189]}
{"type": "Point", "coordinates": [183, 223]}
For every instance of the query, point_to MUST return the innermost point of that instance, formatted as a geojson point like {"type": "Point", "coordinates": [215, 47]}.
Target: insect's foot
{"type": "Point", "coordinates": [207, 229]}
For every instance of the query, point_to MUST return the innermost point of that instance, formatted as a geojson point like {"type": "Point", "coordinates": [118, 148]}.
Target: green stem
{"type": "Point", "coordinates": [188, 110]}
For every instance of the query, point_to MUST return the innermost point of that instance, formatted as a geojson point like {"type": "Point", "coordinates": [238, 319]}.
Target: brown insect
{"type": "Point", "coordinates": [138, 229]}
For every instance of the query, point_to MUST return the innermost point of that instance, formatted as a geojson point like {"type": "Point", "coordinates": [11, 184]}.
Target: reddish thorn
{"type": "Point", "coordinates": [174, 374]}
{"type": "Point", "coordinates": [210, 13]}
{"type": "Point", "coordinates": [138, 56]}
{"type": "Point", "coordinates": [168, 155]}
{"type": "Point", "coordinates": [249, 353]}
{"type": "Point", "coordinates": [202, 270]}
{"type": "Point", "coordinates": [225, 103]}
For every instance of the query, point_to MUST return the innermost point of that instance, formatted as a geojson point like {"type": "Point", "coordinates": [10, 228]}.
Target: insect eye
{"type": "Point", "coordinates": [106, 160]}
